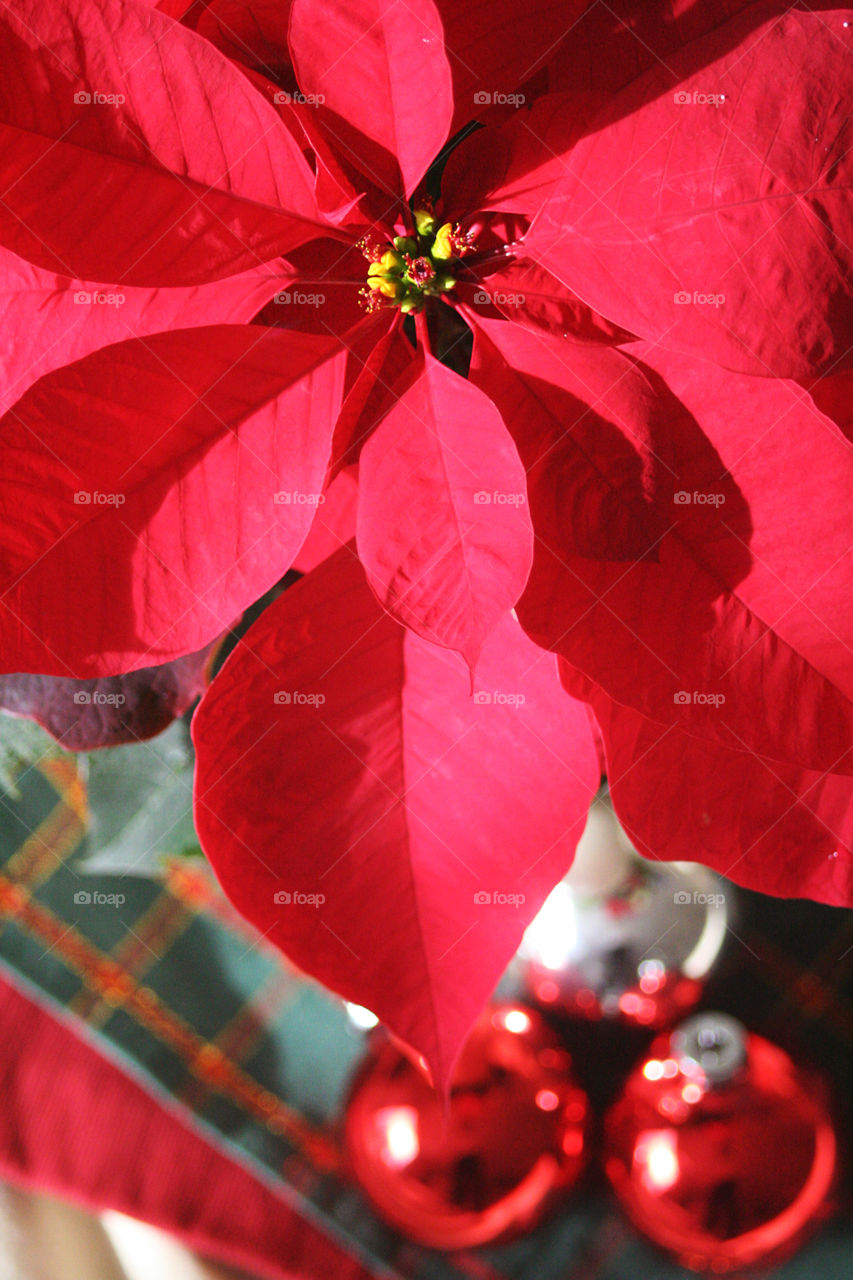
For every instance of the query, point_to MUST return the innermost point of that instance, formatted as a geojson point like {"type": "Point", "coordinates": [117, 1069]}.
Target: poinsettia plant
{"type": "Point", "coordinates": [524, 332]}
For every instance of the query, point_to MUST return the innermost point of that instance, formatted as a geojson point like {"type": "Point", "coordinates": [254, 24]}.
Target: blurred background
{"type": "Point", "coordinates": [178, 1101]}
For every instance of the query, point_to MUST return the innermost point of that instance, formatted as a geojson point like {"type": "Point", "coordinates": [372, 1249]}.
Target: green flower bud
{"type": "Point", "coordinates": [443, 248]}
{"type": "Point", "coordinates": [424, 221]}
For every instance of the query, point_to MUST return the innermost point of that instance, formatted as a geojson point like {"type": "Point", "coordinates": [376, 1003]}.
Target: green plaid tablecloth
{"type": "Point", "coordinates": [166, 980]}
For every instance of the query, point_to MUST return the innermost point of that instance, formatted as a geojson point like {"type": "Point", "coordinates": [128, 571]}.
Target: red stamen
{"type": "Point", "coordinates": [372, 248]}
{"type": "Point", "coordinates": [420, 270]}
{"type": "Point", "coordinates": [462, 242]}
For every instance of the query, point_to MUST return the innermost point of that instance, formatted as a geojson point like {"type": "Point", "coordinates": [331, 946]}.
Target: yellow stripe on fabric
{"type": "Point", "coordinates": [200, 1057]}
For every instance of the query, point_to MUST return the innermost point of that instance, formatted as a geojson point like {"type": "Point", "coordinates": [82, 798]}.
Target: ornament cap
{"type": "Point", "coordinates": [716, 1042]}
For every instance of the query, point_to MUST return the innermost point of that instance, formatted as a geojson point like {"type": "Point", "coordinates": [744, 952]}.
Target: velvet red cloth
{"type": "Point", "coordinates": [74, 1125]}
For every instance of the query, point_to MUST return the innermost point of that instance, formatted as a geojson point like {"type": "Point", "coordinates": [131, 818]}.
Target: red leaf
{"type": "Point", "coordinates": [510, 166]}
{"type": "Point", "coordinates": [253, 32]}
{"type": "Point", "coordinates": [833, 396]}
{"type": "Point", "coordinates": [343, 196]}
{"type": "Point", "coordinates": [155, 489]}
{"type": "Point", "coordinates": [370, 390]}
{"type": "Point", "coordinates": [768, 826]}
{"type": "Point", "coordinates": [49, 320]}
{"type": "Point", "coordinates": [637, 34]}
{"type": "Point", "coordinates": [582, 424]}
{"type": "Point", "coordinates": [195, 171]}
{"type": "Point", "coordinates": [443, 529]}
{"type": "Point", "coordinates": [383, 786]}
{"type": "Point", "coordinates": [382, 77]}
{"type": "Point", "coordinates": [494, 46]}
{"type": "Point", "coordinates": [183, 10]}
{"type": "Point", "coordinates": [725, 225]}
{"type": "Point", "coordinates": [334, 524]}
{"type": "Point", "coordinates": [527, 294]}
{"type": "Point", "coordinates": [318, 289]}
{"type": "Point", "coordinates": [85, 714]}
{"type": "Point", "coordinates": [796, 475]}
{"type": "Point", "coordinates": [706, 611]}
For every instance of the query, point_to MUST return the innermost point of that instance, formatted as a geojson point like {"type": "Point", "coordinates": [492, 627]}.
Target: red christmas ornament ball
{"type": "Point", "coordinates": [511, 1141]}
{"type": "Point", "coordinates": [721, 1149]}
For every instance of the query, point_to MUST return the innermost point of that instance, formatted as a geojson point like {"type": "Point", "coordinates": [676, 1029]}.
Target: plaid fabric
{"type": "Point", "coordinates": [172, 985]}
